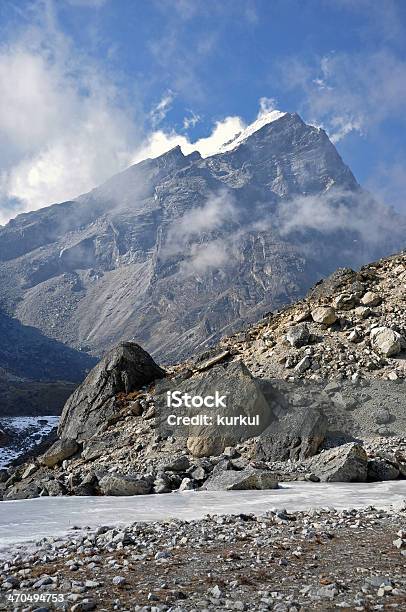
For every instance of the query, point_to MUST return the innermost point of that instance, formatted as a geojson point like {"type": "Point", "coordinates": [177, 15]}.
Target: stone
{"type": "Point", "coordinates": [230, 452]}
{"type": "Point", "coordinates": [83, 606]}
{"type": "Point", "coordinates": [249, 478]}
{"type": "Point", "coordinates": [61, 450]}
{"type": "Point", "coordinates": [150, 413]}
{"type": "Point", "coordinates": [371, 299]}
{"type": "Point", "coordinates": [186, 485]}
{"type": "Point", "coordinates": [118, 485]}
{"type": "Point", "coordinates": [54, 487]}
{"type": "Point", "coordinates": [298, 335]}
{"type": "Point", "coordinates": [380, 470]}
{"type": "Point", "coordinates": [325, 315]}
{"type": "Point", "coordinates": [383, 416]}
{"type": "Point", "coordinates": [29, 470]}
{"type": "Point", "coordinates": [297, 434]}
{"type": "Point", "coordinates": [162, 484]}
{"type": "Point", "coordinates": [179, 464]}
{"type": "Point", "coordinates": [243, 398]}
{"type": "Point", "coordinates": [345, 301]}
{"type": "Point", "coordinates": [119, 581]}
{"type": "Point", "coordinates": [135, 408]}
{"type": "Point", "coordinates": [87, 486]}
{"type": "Point", "coordinates": [198, 474]}
{"type": "Point", "coordinates": [124, 369]}
{"type": "Point", "coordinates": [363, 312]}
{"type": "Point", "coordinates": [24, 490]}
{"type": "Point", "coordinates": [387, 341]}
{"type": "Point", "coordinates": [302, 315]}
{"type": "Point", "coordinates": [354, 336]}
{"type": "Point", "coordinates": [208, 363]}
{"type": "Point", "coordinates": [44, 581]}
{"type": "Point", "coordinates": [346, 463]}
{"type": "Point", "coordinates": [303, 365]}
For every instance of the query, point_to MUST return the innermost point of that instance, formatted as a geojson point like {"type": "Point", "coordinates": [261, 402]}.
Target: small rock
{"type": "Point", "coordinates": [382, 416]}
{"type": "Point", "coordinates": [381, 470]}
{"type": "Point", "coordinates": [303, 365]}
{"type": "Point", "coordinates": [325, 315]}
{"type": "Point", "coordinates": [186, 485]}
{"type": "Point", "coordinates": [298, 335]}
{"type": "Point", "coordinates": [345, 301]}
{"type": "Point", "coordinates": [371, 299]}
{"type": "Point", "coordinates": [363, 312]}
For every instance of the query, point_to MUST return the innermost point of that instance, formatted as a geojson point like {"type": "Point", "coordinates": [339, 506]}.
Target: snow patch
{"type": "Point", "coordinates": [263, 119]}
{"type": "Point", "coordinates": [23, 434]}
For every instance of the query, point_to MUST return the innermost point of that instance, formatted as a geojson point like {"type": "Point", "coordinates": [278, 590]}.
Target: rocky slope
{"type": "Point", "coordinates": [325, 374]}
{"type": "Point", "coordinates": [176, 251]}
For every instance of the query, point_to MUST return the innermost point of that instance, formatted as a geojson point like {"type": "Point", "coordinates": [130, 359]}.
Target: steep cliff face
{"type": "Point", "coordinates": [175, 251]}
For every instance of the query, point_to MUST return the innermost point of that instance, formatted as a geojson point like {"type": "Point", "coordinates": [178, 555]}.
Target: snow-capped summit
{"type": "Point", "coordinates": [263, 119]}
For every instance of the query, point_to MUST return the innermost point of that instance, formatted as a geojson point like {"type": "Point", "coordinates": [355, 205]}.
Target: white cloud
{"type": "Point", "coordinates": [217, 210]}
{"type": "Point", "coordinates": [205, 257]}
{"type": "Point", "coordinates": [159, 142]}
{"type": "Point", "coordinates": [63, 125]}
{"type": "Point", "coordinates": [159, 112]}
{"type": "Point", "coordinates": [87, 3]}
{"type": "Point", "coordinates": [191, 120]}
{"type": "Point", "coordinates": [338, 210]}
{"type": "Point", "coordinates": [350, 92]}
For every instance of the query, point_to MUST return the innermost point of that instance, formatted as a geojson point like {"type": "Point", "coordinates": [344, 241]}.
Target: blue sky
{"type": "Point", "coordinates": [90, 86]}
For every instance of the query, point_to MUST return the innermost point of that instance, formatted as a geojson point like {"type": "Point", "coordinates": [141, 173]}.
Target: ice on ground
{"type": "Point", "coordinates": [33, 519]}
{"type": "Point", "coordinates": [24, 433]}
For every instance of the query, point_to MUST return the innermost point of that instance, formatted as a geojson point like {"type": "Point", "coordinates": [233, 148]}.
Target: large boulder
{"type": "Point", "coordinates": [61, 450]}
{"type": "Point", "coordinates": [297, 434]}
{"type": "Point", "coordinates": [386, 341]}
{"type": "Point", "coordinates": [24, 490]}
{"type": "Point", "coordinates": [244, 413]}
{"type": "Point", "coordinates": [346, 463]}
{"type": "Point", "coordinates": [250, 478]}
{"type": "Point", "coordinates": [119, 485]}
{"type": "Point", "coordinates": [125, 368]}
{"type": "Point", "coordinates": [381, 469]}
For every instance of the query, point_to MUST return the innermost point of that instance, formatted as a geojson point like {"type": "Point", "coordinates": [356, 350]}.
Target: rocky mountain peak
{"type": "Point", "coordinates": [175, 251]}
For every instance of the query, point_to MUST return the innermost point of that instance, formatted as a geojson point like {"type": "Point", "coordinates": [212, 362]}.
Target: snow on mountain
{"type": "Point", "coordinates": [263, 119]}
{"type": "Point", "coordinates": [21, 434]}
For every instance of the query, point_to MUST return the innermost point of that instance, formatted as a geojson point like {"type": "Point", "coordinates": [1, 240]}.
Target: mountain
{"type": "Point", "coordinates": [177, 250]}
{"type": "Point", "coordinates": [37, 374]}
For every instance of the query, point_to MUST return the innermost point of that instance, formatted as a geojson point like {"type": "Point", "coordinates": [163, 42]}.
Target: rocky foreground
{"type": "Point", "coordinates": [316, 560]}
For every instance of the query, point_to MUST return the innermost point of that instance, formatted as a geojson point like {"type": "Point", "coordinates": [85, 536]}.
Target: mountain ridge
{"type": "Point", "coordinates": [175, 249]}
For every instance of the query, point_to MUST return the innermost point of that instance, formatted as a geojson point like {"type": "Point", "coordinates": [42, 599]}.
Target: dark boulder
{"type": "Point", "coordinates": [61, 450]}
{"type": "Point", "coordinates": [346, 463]}
{"type": "Point", "coordinates": [125, 368]}
{"type": "Point", "coordinates": [296, 435]}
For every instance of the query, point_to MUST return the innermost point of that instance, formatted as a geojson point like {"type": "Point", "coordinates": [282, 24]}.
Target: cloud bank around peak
{"type": "Point", "coordinates": [66, 126]}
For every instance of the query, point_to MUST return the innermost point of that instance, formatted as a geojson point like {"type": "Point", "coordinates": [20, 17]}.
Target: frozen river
{"type": "Point", "coordinates": [27, 520]}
